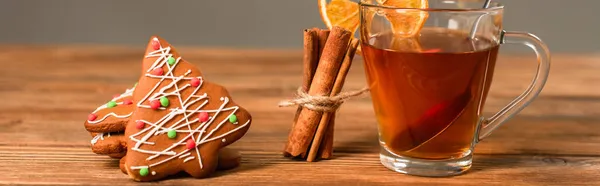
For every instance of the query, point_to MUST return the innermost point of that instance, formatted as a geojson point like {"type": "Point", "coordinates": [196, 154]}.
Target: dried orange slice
{"type": "Point", "coordinates": [406, 23]}
{"type": "Point", "coordinates": [343, 13]}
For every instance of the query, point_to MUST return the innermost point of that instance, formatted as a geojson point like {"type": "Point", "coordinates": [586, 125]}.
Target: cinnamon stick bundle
{"type": "Point", "coordinates": [327, 59]}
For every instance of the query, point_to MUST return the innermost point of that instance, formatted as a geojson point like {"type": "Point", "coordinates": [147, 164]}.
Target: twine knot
{"type": "Point", "coordinates": [321, 103]}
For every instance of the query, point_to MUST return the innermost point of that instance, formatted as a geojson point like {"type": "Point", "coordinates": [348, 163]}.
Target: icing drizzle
{"type": "Point", "coordinates": [128, 92]}
{"type": "Point", "coordinates": [99, 136]}
{"type": "Point", "coordinates": [199, 134]}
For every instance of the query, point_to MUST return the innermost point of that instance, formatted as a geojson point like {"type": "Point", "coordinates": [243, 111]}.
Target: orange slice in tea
{"type": "Point", "coordinates": [406, 23]}
{"type": "Point", "coordinates": [406, 44]}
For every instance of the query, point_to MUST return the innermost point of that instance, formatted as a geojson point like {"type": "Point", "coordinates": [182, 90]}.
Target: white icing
{"type": "Point", "coordinates": [138, 167]}
{"type": "Point", "coordinates": [153, 172]}
{"type": "Point", "coordinates": [127, 92]}
{"type": "Point", "coordinates": [188, 159]}
{"type": "Point", "coordinates": [99, 136]}
{"type": "Point", "coordinates": [110, 114]}
{"type": "Point", "coordinates": [184, 111]}
{"type": "Point", "coordinates": [223, 140]}
{"type": "Point", "coordinates": [184, 155]}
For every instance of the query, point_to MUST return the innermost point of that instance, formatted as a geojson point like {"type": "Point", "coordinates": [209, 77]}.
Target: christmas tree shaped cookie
{"type": "Point", "coordinates": [109, 140]}
{"type": "Point", "coordinates": [180, 120]}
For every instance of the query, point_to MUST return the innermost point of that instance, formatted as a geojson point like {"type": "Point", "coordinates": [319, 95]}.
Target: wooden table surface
{"type": "Point", "coordinates": [47, 92]}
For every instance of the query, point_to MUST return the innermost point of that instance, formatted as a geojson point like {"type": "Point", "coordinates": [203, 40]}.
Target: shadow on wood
{"type": "Point", "coordinates": [367, 143]}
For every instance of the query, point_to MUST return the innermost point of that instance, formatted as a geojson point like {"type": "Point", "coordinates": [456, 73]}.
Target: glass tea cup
{"type": "Point", "coordinates": [429, 85]}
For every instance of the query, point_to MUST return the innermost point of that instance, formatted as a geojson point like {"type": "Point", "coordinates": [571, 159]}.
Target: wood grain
{"type": "Point", "coordinates": [48, 91]}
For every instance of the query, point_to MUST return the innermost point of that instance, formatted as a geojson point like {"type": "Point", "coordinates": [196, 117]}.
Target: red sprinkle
{"type": "Point", "coordinates": [92, 117]}
{"type": "Point", "coordinates": [195, 82]}
{"type": "Point", "coordinates": [127, 102]}
{"type": "Point", "coordinates": [435, 50]}
{"type": "Point", "coordinates": [140, 124]}
{"type": "Point", "coordinates": [116, 95]}
{"type": "Point", "coordinates": [203, 116]}
{"type": "Point", "coordinates": [190, 144]}
{"type": "Point", "coordinates": [158, 72]}
{"type": "Point", "coordinates": [155, 44]}
{"type": "Point", "coordinates": [155, 104]}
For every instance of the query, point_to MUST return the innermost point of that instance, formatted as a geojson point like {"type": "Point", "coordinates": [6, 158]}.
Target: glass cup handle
{"type": "Point", "coordinates": [514, 107]}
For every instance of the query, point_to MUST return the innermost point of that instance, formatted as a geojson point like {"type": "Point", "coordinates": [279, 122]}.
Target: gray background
{"type": "Point", "coordinates": [566, 25]}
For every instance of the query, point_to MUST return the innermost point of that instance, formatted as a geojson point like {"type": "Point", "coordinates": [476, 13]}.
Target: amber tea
{"type": "Point", "coordinates": [428, 91]}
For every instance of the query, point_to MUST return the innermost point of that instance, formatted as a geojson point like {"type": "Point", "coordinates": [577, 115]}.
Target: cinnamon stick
{"type": "Point", "coordinates": [337, 88]}
{"type": "Point", "coordinates": [326, 148]}
{"type": "Point", "coordinates": [322, 84]}
{"type": "Point", "coordinates": [310, 61]}
{"type": "Point", "coordinates": [322, 35]}
{"type": "Point", "coordinates": [311, 57]}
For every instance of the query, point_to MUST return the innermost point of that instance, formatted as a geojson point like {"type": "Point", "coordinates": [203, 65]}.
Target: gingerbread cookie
{"type": "Point", "coordinates": [113, 143]}
{"type": "Point", "coordinates": [180, 121]}
{"type": "Point", "coordinates": [112, 116]}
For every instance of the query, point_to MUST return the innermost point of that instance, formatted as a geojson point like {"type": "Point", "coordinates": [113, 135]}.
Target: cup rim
{"type": "Point", "coordinates": [495, 6]}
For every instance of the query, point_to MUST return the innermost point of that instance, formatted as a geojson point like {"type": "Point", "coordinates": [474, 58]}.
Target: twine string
{"type": "Point", "coordinates": [322, 103]}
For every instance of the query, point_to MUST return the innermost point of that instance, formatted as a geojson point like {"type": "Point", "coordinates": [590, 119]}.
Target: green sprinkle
{"type": "Point", "coordinates": [172, 134]}
{"type": "Point", "coordinates": [144, 171]}
{"type": "Point", "coordinates": [171, 60]}
{"type": "Point", "coordinates": [111, 104]}
{"type": "Point", "coordinates": [164, 101]}
{"type": "Point", "coordinates": [233, 118]}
